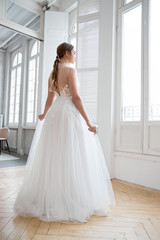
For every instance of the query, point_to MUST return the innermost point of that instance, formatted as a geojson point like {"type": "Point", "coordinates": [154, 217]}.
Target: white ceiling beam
{"type": "Point", "coordinates": [15, 39]}
{"type": "Point", "coordinates": [68, 5]}
{"type": "Point", "coordinates": [3, 43]}
{"type": "Point", "coordinates": [51, 3]}
{"type": "Point", "coordinates": [21, 29]}
{"type": "Point", "coordinates": [29, 5]}
{"type": "Point", "coordinates": [17, 27]}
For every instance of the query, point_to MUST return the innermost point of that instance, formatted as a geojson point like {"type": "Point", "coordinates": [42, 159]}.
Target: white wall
{"type": "Point", "coordinates": [28, 136]}
{"type": "Point", "coordinates": [54, 34]}
{"type": "Point", "coordinates": [138, 169]}
{"type": "Point", "coordinates": [106, 81]}
{"type": "Point", "coordinates": [2, 78]}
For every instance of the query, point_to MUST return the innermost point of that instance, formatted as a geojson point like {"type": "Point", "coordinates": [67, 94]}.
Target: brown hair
{"type": "Point", "coordinates": [61, 50]}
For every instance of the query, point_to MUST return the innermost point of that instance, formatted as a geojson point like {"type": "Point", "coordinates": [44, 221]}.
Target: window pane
{"type": "Point", "coordinates": [15, 88]}
{"type": "Point", "coordinates": [15, 61]}
{"type": "Point", "coordinates": [19, 71]}
{"type": "Point", "coordinates": [12, 91]}
{"type": "Point", "coordinates": [19, 58]}
{"type": "Point", "coordinates": [12, 108]}
{"type": "Point", "coordinates": [154, 69]}
{"type": "Point", "coordinates": [16, 117]}
{"type": "Point", "coordinates": [17, 99]}
{"type": "Point", "coordinates": [31, 86]}
{"type": "Point", "coordinates": [12, 100]}
{"type": "Point", "coordinates": [30, 106]}
{"type": "Point", "coordinates": [31, 96]}
{"type": "Point", "coordinates": [33, 73]}
{"type": "Point", "coordinates": [13, 74]}
{"type": "Point", "coordinates": [37, 68]}
{"type": "Point", "coordinates": [32, 64]}
{"type": "Point", "coordinates": [18, 80]}
{"type": "Point", "coordinates": [38, 45]}
{"type": "Point", "coordinates": [30, 117]}
{"type": "Point", "coordinates": [10, 118]}
{"type": "Point", "coordinates": [34, 49]}
{"type": "Point", "coordinates": [131, 65]}
{"type": "Point", "coordinates": [73, 42]}
{"type": "Point", "coordinates": [17, 108]}
{"type": "Point", "coordinates": [12, 82]}
{"type": "Point", "coordinates": [18, 91]}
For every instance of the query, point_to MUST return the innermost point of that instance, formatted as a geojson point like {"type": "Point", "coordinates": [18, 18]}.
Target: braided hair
{"type": "Point", "coordinates": [61, 50]}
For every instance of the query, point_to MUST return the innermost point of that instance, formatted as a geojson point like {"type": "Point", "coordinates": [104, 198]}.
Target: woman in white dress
{"type": "Point", "coordinates": [66, 177]}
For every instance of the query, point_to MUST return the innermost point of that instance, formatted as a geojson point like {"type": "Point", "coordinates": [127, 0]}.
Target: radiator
{"type": "Point", "coordinates": [12, 139]}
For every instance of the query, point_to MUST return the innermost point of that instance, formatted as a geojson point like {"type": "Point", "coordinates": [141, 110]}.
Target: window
{"type": "Point", "coordinates": [15, 84]}
{"type": "Point", "coordinates": [131, 65]}
{"type": "Point", "coordinates": [138, 74]}
{"type": "Point", "coordinates": [154, 69]}
{"type": "Point", "coordinates": [32, 88]}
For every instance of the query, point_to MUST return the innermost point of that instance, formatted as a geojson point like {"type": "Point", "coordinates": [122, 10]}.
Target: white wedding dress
{"type": "Point", "coordinates": [66, 178]}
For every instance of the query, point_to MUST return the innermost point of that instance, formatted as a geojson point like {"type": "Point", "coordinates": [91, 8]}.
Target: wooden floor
{"type": "Point", "coordinates": [136, 216]}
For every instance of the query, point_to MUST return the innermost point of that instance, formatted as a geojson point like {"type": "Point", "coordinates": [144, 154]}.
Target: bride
{"type": "Point", "coordinates": [66, 177]}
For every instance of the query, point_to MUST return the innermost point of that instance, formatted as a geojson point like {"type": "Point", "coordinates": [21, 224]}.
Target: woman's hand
{"type": "Point", "coordinates": [41, 116]}
{"type": "Point", "coordinates": [92, 128]}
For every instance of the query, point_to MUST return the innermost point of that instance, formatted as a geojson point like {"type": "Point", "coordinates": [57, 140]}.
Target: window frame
{"type": "Point", "coordinates": [13, 54]}
{"type": "Point", "coordinates": [35, 102]}
{"type": "Point", "coordinates": [144, 126]}
{"type": "Point", "coordinates": [71, 33]}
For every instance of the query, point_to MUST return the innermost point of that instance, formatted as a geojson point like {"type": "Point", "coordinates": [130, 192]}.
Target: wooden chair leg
{"type": "Point", "coordinates": [7, 146]}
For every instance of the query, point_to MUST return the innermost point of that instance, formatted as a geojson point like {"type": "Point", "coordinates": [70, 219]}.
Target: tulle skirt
{"type": "Point", "coordinates": [66, 177]}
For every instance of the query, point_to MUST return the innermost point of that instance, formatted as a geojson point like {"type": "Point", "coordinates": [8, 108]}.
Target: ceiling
{"type": "Point", "coordinates": [41, 2]}
{"type": "Point", "coordinates": [24, 17]}
{"type": "Point", "coordinates": [55, 3]}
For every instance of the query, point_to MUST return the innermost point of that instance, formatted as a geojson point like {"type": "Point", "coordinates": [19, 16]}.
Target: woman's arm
{"type": "Point", "coordinates": [49, 101]}
{"type": "Point", "coordinates": [77, 99]}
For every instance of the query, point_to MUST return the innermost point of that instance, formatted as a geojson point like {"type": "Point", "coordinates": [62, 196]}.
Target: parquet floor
{"type": "Point", "coordinates": [136, 216]}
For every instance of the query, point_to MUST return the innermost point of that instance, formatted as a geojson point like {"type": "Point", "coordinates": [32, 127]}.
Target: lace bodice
{"type": "Point", "coordinates": [65, 91]}
{"type": "Point", "coordinates": [63, 85]}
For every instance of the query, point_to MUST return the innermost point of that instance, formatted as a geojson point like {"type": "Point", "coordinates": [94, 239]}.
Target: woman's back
{"type": "Point", "coordinates": [63, 80]}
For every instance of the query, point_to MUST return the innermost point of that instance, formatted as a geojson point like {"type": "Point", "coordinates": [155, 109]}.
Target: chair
{"type": "Point", "coordinates": [4, 134]}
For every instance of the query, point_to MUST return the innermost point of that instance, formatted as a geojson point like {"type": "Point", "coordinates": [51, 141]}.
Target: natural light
{"type": "Point", "coordinates": [131, 65]}
{"type": "Point", "coordinates": [154, 68]}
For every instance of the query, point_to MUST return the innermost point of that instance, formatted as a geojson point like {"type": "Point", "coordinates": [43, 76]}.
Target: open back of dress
{"type": "Point", "coordinates": [63, 82]}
